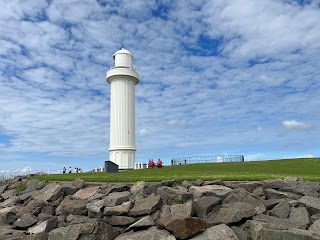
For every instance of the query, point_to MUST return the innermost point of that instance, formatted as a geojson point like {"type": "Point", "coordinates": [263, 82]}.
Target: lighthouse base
{"type": "Point", "coordinates": [125, 159]}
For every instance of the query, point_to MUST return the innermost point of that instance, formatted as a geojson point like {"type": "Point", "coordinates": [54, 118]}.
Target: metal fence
{"type": "Point", "coordinates": [207, 159]}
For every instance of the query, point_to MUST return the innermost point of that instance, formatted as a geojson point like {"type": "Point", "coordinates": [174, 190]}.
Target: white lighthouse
{"type": "Point", "coordinates": [122, 77]}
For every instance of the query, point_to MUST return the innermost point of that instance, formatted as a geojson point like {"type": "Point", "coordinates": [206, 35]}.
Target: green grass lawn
{"type": "Point", "coordinates": [307, 169]}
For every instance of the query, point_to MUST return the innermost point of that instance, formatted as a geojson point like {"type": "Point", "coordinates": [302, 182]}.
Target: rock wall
{"type": "Point", "coordinates": [270, 209]}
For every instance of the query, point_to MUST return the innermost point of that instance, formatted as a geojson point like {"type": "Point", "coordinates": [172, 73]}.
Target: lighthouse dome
{"type": "Point", "coordinates": [123, 59]}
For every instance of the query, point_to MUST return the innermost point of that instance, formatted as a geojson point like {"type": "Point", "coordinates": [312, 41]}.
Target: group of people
{"type": "Point", "coordinates": [152, 163]}
{"type": "Point", "coordinates": [76, 170]}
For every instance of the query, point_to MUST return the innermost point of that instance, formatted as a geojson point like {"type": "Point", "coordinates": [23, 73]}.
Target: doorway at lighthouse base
{"type": "Point", "coordinates": [124, 158]}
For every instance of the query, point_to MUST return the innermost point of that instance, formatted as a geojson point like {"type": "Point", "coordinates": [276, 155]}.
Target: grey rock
{"type": "Point", "coordinates": [315, 227]}
{"type": "Point", "coordinates": [122, 209]}
{"type": "Point", "coordinates": [25, 221]}
{"type": "Point", "coordinates": [231, 213]}
{"type": "Point", "coordinates": [218, 232]}
{"type": "Point", "coordinates": [43, 217]}
{"type": "Point", "coordinates": [259, 193]}
{"type": "Point", "coordinates": [291, 179]}
{"type": "Point", "coordinates": [31, 206]}
{"type": "Point", "coordinates": [145, 206]}
{"type": "Point", "coordinates": [273, 183]}
{"type": "Point", "coordinates": [315, 217]}
{"type": "Point", "coordinates": [184, 210]}
{"type": "Point", "coordinates": [87, 231]}
{"type": "Point", "coordinates": [10, 202]}
{"type": "Point", "coordinates": [198, 182]}
{"type": "Point", "coordinates": [86, 193]}
{"type": "Point", "coordinates": [204, 205]}
{"type": "Point", "coordinates": [141, 193]}
{"type": "Point", "coordinates": [76, 219]}
{"type": "Point", "coordinates": [8, 194]}
{"type": "Point", "coordinates": [44, 227]}
{"type": "Point", "coordinates": [240, 233]}
{"type": "Point", "coordinates": [274, 194]}
{"type": "Point", "coordinates": [143, 223]}
{"type": "Point", "coordinates": [170, 183]}
{"type": "Point", "coordinates": [152, 188]}
{"type": "Point", "coordinates": [3, 188]}
{"type": "Point", "coordinates": [271, 203]}
{"type": "Point", "coordinates": [49, 193]}
{"type": "Point", "coordinates": [116, 198]}
{"type": "Point", "coordinates": [119, 187]}
{"type": "Point", "coordinates": [165, 211]}
{"type": "Point", "coordinates": [121, 220]}
{"type": "Point", "coordinates": [281, 210]}
{"type": "Point", "coordinates": [8, 215]}
{"type": "Point", "coordinates": [260, 230]}
{"type": "Point", "coordinates": [140, 185]}
{"type": "Point", "coordinates": [279, 222]}
{"type": "Point", "coordinates": [182, 227]}
{"type": "Point", "coordinates": [50, 210]}
{"type": "Point", "coordinates": [69, 189]}
{"type": "Point", "coordinates": [187, 184]}
{"type": "Point", "coordinates": [151, 234]}
{"type": "Point", "coordinates": [95, 208]}
{"type": "Point", "coordinates": [311, 203]}
{"type": "Point", "coordinates": [209, 190]}
{"type": "Point", "coordinates": [302, 188]}
{"type": "Point", "coordinates": [78, 183]}
{"type": "Point", "coordinates": [25, 196]}
{"type": "Point", "coordinates": [72, 206]}
{"type": "Point", "coordinates": [172, 195]}
{"type": "Point", "coordinates": [300, 215]}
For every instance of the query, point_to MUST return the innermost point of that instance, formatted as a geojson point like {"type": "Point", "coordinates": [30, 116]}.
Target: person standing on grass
{"type": "Point", "coordinates": [151, 163]}
{"type": "Point", "coordinates": [64, 170]}
{"type": "Point", "coordinates": [159, 163]}
{"type": "Point", "coordinates": [70, 170]}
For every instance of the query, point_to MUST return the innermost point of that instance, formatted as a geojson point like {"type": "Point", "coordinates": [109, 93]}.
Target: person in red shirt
{"type": "Point", "coordinates": [151, 163]}
{"type": "Point", "coordinates": [159, 163]}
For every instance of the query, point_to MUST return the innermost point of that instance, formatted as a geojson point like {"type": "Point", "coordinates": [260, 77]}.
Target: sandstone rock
{"type": "Point", "coordinates": [182, 227]}
{"type": "Point", "coordinates": [204, 205]}
{"type": "Point", "coordinates": [49, 193]}
{"type": "Point", "coordinates": [209, 190]}
{"type": "Point", "coordinates": [86, 193]}
{"type": "Point", "coordinates": [72, 206]}
{"type": "Point", "coordinates": [116, 198]}
{"type": "Point", "coordinates": [151, 234]}
{"type": "Point", "coordinates": [25, 221]}
{"type": "Point", "coordinates": [311, 203]}
{"type": "Point", "coordinates": [122, 209]}
{"type": "Point", "coordinates": [281, 210]}
{"type": "Point", "coordinates": [44, 227]}
{"type": "Point", "coordinates": [145, 206]}
{"type": "Point", "coordinates": [218, 232]}
{"type": "Point", "coordinates": [261, 230]}
{"type": "Point", "coordinates": [231, 213]}
{"type": "Point", "coordinates": [300, 215]}
{"type": "Point", "coordinates": [184, 210]}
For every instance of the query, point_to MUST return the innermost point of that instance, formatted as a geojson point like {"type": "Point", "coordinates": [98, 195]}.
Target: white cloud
{"type": "Point", "coordinates": [293, 124]}
{"type": "Point", "coordinates": [144, 132]}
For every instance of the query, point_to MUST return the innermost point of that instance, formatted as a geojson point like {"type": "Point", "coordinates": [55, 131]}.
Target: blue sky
{"type": "Point", "coordinates": [216, 77]}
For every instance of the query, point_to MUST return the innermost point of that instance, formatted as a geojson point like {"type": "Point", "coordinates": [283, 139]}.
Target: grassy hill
{"type": "Point", "coordinates": [307, 169]}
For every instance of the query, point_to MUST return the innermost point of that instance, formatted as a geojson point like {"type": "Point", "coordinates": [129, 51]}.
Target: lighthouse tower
{"type": "Point", "coordinates": [122, 78]}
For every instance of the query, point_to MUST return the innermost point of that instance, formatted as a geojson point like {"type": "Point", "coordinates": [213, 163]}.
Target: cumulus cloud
{"type": "Point", "coordinates": [293, 124]}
